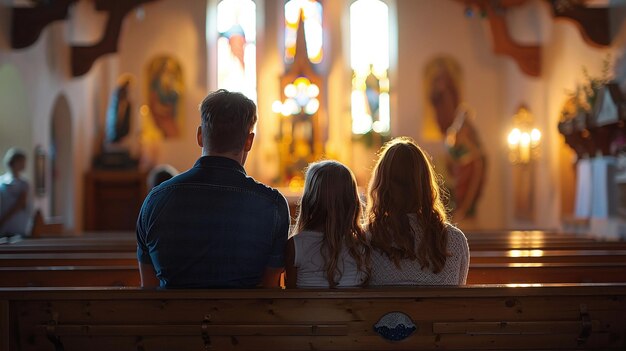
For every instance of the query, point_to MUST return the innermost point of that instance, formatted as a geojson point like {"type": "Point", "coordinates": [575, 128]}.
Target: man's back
{"type": "Point", "coordinates": [212, 226]}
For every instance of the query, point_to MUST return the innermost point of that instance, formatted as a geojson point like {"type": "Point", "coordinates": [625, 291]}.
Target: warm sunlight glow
{"type": "Point", "coordinates": [236, 46]}
{"type": "Point", "coordinates": [369, 59]}
{"type": "Point", "coordinates": [313, 31]}
{"type": "Point", "coordinates": [525, 253]}
{"type": "Point", "coordinates": [522, 285]}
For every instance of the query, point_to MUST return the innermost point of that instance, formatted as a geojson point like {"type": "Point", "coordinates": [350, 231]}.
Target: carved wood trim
{"type": "Point", "coordinates": [527, 57]}
{"type": "Point", "coordinates": [28, 23]}
{"type": "Point", "coordinates": [592, 22]}
{"type": "Point", "coordinates": [83, 57]}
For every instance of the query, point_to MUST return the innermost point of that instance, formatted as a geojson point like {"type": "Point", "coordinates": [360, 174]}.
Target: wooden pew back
{"type": "Point", "coordinates": [479, 273]}
{"type": "Point", "coordinates": [455, 318]}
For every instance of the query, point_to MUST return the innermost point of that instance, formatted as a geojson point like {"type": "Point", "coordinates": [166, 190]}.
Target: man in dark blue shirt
{"type": "Point", "coordinates": [214, 226]}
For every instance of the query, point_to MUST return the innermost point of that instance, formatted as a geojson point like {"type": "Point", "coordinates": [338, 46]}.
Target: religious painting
{"type": "Point", "coordinates": [236, 46]}
{"type": "Point", "coordinates": [454, 120]}
{"type": "Point", "coordinates": [430, 128]}
{"type": "Point", "coordinates": [164, 95]}
{"type": "Point", "coordinates": [118, 118]}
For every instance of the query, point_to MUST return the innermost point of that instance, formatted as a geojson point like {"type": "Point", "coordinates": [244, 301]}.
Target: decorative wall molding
{"type": "Point", "coordinates": [28, 22]}
{"type": "Point", "coordinates": [527, 57]}
{"type": "Point", "coordinates": [83, 57]}
{"type": "Point", "coordinates": [593, 23]}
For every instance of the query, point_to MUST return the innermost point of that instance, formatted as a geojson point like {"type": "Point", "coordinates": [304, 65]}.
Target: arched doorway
{"type": "Point", "coordinates": [16, 121]}
{"type": "Point", "coordinates": [61, 165]}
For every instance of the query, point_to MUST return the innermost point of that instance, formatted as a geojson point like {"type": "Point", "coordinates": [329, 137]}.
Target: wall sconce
{"type": "Point", "coordinates": [524, 139]}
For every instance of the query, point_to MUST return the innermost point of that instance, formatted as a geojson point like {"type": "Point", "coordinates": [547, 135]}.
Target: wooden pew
{"type": "Point", "coordinates": [475, 317]}
{"type": "Point", "coordinates": [109, 260]}
{"type": "Point", "coordinates": [68, 259]}
{"type": "Point", "coordinates": [50, 276]}
{"type": "Point", "coordinates": [130, 258]}
{"type": "Point", "coordinates": [499, 241]}
{"type": "Point", "coordinates": [69, 246]}
{"type": "Point", "coordinates": [548, 256]}
{"type": "Point", "coordinates": [479, 273]}
{"type": "Point", "coordinates": [523, 273]}
{"type": "Point", "coordinates": [481, 246]}
{"type": "Point", "coordinates": [487, 245]}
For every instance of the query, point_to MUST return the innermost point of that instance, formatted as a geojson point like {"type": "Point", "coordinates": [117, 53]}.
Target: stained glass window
{"type": "Point", "coordinates": [369, 59]}
{"type": "Point", "coordinates": [312, 18]}
{"type": "Point", "coordinates": [236, 46]}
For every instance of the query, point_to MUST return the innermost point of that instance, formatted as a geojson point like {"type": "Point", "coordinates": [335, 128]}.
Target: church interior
{"type": "Point", "coordinates": [521, 105]}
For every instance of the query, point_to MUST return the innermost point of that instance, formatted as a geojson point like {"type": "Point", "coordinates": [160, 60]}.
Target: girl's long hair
{"type": "Point", "coordinates": [404, 182]}
{"type": "Point", "coordinates": [330, 204]}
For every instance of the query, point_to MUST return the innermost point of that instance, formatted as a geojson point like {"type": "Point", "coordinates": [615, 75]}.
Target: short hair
{"type": "Point", "coordinates": [227, 119]}
{"type": "Point", "coordinates": [12, 155]}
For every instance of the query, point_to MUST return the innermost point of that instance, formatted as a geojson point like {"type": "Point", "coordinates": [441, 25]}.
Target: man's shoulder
{"type": "Point", "coordinates": [190, 179]}
{"type": "Point", "coordinates": [265, 190]}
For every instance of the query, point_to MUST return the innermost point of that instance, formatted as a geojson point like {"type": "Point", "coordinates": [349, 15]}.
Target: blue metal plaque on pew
{"type": "Point", "coordinates": [395, 326]}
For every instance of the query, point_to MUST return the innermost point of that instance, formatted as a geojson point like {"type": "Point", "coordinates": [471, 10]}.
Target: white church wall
{"type": "Point", "coordinates": [176, 29]}
{"type": "Point", "coordinates": [44, 72]}
{"type": "Point", "coordinates": [427, 29]}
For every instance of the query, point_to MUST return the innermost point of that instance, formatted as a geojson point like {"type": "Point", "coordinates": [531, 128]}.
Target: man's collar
{"type": "Point", "coordinates": [220, 162]}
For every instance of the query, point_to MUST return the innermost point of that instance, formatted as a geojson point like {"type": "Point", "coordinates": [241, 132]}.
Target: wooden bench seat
{"type": "Point", "coordinates": [479, 273]}
{"type": "Point", "coordinates": [126, 243]}
{"type": "Point", "coordinates": [68, 259]}
{"type": "Point", "coordinates": [130, 258]}
{"type": "Point", "coordinates": [521, 273]}
{"type": "Point", "coordinates": [50, 276]}
{"type": "Point", "coordinates": [548, 256]}
{"type": "Point", "coordinates": [475, 317]}
{"type": "Point", "coordinates": [542, 245]}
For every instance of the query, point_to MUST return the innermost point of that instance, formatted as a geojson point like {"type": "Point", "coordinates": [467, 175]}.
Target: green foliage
{"type": "Point", "coordinates": [583, 99]}
{"type": "Point", "coordinates": [592, 85]}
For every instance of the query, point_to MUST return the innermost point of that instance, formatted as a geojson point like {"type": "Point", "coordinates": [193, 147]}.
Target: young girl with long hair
{"type": "Point", "coordinates": [413, 244]}
{"type": "Point", "coordinates": [329, 248]}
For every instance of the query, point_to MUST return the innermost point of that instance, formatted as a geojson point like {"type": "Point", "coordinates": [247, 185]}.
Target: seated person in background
{"type": "Point", "coordinates": [413, 244]}
{"type": "Point", "coordinates": [14, 209]}
{"type": "Point", "coordinates": [329, 248]}
{"type": "Point", "coordinates": [159, 174]}
{"type": "Point", "coordinates": [213, 226]}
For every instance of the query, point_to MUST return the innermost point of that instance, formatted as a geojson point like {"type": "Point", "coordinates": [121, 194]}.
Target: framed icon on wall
{"type": "Point", "coordinates": [40, 171]}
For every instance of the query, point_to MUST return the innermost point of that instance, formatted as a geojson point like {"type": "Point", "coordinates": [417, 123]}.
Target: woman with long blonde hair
{"type": "Point", "coordinates": [412, 241]}
{"type": "Point", "coordinates": [329, 248]}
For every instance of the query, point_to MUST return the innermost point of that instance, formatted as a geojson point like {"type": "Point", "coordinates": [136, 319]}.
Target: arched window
{"type": "Point", "coordinates": [369, 59]}
{"type": "Point", "coordinates": [312, 16]}
{"type": "Point", "coordinates": [236, 46]}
